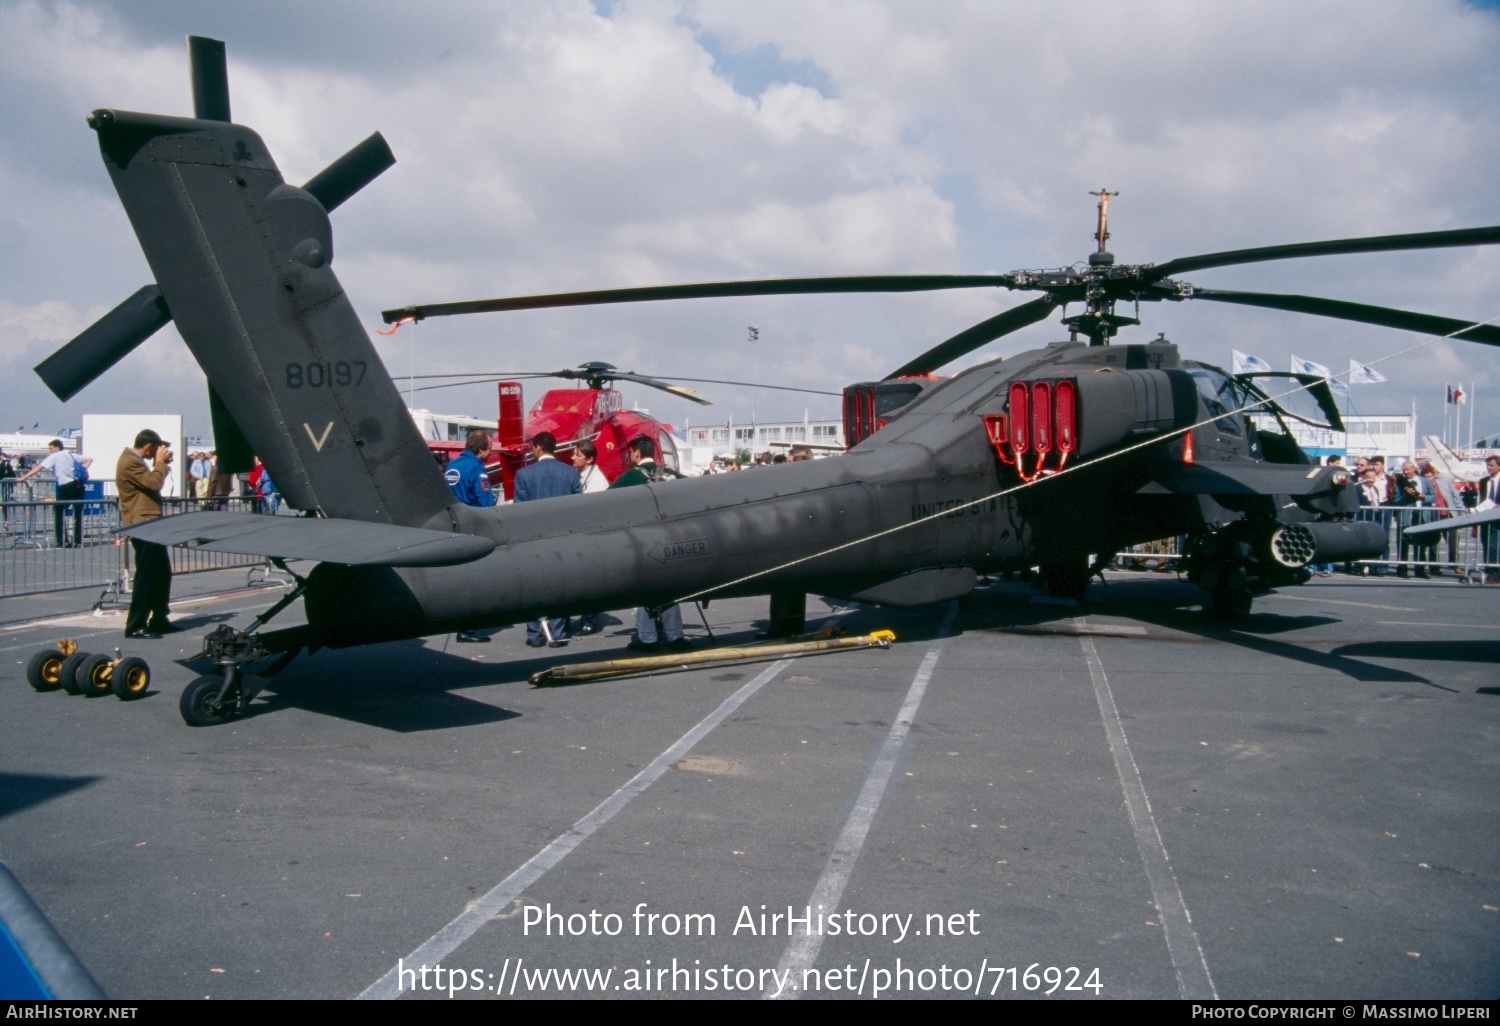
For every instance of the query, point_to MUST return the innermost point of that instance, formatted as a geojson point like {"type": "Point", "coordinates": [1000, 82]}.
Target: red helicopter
{"type": "Point", "coordinates": [595, 412]}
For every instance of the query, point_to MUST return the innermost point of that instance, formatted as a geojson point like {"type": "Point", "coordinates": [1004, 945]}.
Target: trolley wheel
{"type": "Point", "coordinates": [69, 671]}
{"type": "Point", "coordinates": [44, 672]}
{"type": "Point", "coordinates": [130, 678]}
{"type": "Point", "coordinates": [92, 678]}
{"type": "Point", "coordinates": [200, 706]}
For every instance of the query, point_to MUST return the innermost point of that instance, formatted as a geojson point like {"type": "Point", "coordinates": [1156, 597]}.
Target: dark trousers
{"type": "Point", "coordinates": [153, 585]}
{"type": "Point", "coordinates": [65, 492]}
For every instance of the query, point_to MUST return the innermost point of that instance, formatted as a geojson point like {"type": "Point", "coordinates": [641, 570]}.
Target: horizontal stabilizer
{"type": "Point", "coordinates": [1241, 478]}
{"type": "Point", "coordinates": [350, 542]}
{"type": "Point", "coordinates": [1489, 516]}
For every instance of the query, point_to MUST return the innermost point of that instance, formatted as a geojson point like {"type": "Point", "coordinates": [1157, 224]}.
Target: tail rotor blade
{"type": "Point", "coordinates": [116, 335]}
{"type": "Point", "coordinates": [970, 339]}
{"type": "Point", "coordinates": [104, 343]}
{"type": "Point", "coordinates": [236, 455]}
{"type": "Point", "coordinates": [210, 73]}
{"type": "Point", "coordinates": [351, 172]}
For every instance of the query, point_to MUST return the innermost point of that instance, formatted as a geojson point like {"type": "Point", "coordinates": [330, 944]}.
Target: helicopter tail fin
{"type": "Point", "coordinates": [244, 263]}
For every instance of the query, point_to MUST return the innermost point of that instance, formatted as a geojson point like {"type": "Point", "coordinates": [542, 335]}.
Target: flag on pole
{"type": "Point", "coordinates": [1317, 370]}
{"type": "Point", "coordinates": [1244, 363]}
{"type": "Point", "coordinates": [1363, 374]}
{"type": "Point", "coordinates": [1458, 396]}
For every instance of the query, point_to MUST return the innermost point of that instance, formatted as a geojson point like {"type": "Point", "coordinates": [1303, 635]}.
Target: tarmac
{"type": "Point", "coordinates": [1126, 799]}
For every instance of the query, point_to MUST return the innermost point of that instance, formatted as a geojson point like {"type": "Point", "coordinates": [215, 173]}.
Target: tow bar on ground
{"type": "Point", "coordinates": [573, 673]}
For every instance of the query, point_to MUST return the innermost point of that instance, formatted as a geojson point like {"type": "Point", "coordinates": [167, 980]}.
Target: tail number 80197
{"type": "Point", "coordinates": [325, 375]}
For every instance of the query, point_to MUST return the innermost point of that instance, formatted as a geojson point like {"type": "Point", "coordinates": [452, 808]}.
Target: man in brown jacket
{"type": "Point", "coordinates": [138, 477]}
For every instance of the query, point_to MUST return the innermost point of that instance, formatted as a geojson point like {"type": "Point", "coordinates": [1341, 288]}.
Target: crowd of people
{"type": "Point", "coordinates": [1416, 496]}
{"type": "Point", "coordinates": [794, 454]}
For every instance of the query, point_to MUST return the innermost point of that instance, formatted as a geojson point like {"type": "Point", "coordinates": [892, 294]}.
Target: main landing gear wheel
{"type": "Point", "coordinates": [130, 678]}
{"type": "Point", "coordinates": [1231, 603]}
{"type": "Point", "coordinates": [200, 705]}
{"type": "Point", "coordinates": [1066, 580]}
{"type": "Point", "coordinates": [44, 672]}
{"type": "Point", "coordinates": [70, 672]}
{"type": "Point", "coordinates": [92, 676]}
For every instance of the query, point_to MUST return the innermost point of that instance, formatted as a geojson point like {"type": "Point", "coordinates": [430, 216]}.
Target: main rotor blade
{"type": "Point", "coordinates": [1372, 244]}
{"type": "Point", "coordinates": [1382, 315]}
{"type": "Point", "coordinates": [752, 384]}
{"type": "Point", "coordinates": [970, 339]}
{"type": "Point", "coordinates": [677, 390]}
{"type": "Point", "coordinates": [710, 290]}
{"type": "Point", "coordinates": [210, 74]}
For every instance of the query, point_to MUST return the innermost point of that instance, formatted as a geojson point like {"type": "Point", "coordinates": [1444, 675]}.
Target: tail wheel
{"type": "Point", "coordinates": [131, 678]}
{"type": "Point", "coordinates": [200, 705]}
{"type": "Point", "coordinates": [93, 675]}
{"type": "Point", "coordinates": [69, 672]}
{"type": "Point", "coordinates": [44, 672]}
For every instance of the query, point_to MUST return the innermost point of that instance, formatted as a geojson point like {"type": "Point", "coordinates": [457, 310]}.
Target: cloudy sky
{"type": "Point", "coordinates": [547, 146]}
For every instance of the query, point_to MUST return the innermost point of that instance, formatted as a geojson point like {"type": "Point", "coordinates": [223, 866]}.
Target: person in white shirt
{"type": "Point", "coordinates": [585, 457]}
{"type": "Point", "coordinates": [71, 473]}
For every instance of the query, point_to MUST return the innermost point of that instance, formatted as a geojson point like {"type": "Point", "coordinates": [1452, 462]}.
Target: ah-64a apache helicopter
{"type": "Point", "coordinates": [1044, 459]}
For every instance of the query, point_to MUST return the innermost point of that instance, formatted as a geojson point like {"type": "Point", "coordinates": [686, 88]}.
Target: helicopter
{"type": "Point", "coordinates": [594, 413]}
{"type": "Point", "coordinates": [1048, 458]}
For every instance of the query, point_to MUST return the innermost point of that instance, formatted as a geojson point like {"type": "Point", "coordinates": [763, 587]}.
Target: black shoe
{"type": "Point", "coordinates": [586, 630]}
{"type": "Point", "coordinates": [536, 644]}
{"type": "Point", "coordinates": [143, 634]}
{"type": "Point", "coordinates": [557, 644]}
{"type": "Point", "coordinates": [471, 638]}
{"type": "Point", "coordinates": [164, 627]}
{"type": "Point", "coordinates": [681, 645]}
{"type": "Point", "coordinates": [638, 645]}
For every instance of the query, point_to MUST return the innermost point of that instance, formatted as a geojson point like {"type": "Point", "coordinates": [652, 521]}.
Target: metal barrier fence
{"type": "Point", "coordinates": [48, 546]}
{"type": "Point", "coordinates": [1463, 551]}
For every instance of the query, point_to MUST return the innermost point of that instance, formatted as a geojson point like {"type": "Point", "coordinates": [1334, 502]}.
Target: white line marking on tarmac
{"type": "Point", "coordinates": [802, 952]}
{"type": "Point", "coordinates": [441, 944]}
{"type": "Point", "coordinates": [1193, 980]}
{"type": "Point", "coordinates": [1344, 602]}
{"type": "Point", "coordinates": [1425, 623]}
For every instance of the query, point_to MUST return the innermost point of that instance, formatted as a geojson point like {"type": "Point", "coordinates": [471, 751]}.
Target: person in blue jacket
{"type": "Point", "coordinates": [471, 484]}
{"type": "Point", "coordinates": [466, 474]}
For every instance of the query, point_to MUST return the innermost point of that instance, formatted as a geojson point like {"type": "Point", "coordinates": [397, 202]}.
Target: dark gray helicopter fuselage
{"type": "Point", "coordinates": [924, 490]}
